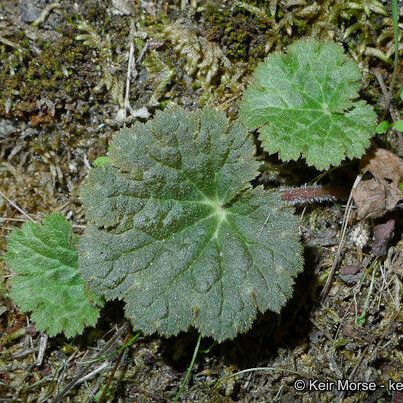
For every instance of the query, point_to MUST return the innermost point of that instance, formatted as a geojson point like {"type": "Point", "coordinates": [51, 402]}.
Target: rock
{"type": "Point", "coordinates": [29, 11]}
{"type": "Point", "coordinates": [6, 128]}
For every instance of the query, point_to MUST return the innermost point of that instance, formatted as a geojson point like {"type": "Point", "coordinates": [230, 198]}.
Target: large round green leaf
{"type": "Point", "coordinates": [177, 232]}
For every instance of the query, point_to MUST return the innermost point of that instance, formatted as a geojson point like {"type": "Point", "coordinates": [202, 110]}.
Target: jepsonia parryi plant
{"type": "Point", "coordinates": [304, 104]}
{"type": "Point", "coordinates": [176, 230]}
{"type": "Point", "coordinates": [45, 280]}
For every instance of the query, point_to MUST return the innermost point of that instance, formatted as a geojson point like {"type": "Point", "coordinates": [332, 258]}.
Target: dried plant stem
{"type": "Point", "coordinates": [369, 351]}
{"type": "Point", "coordinates": [346, 217]}
{"type": "Point", "coordinates": [96, 371]}
{"type": "Point", "coordinates": [264, 369]}
{"type": "Point", "coordinates": [131, 67]}
{"type": "Point", "coordinates": [82, 372]}
{"type": "Point", "coordinates": [43, 341]}
{"type": "Point", "coordinates": [7, 42]}
{"type": "Point", "coordinates": [103, 397]}
{"type": "Point", "coordinates": [395, 19]}
{"type": "Point", "coordinates": [16, 207]}
{"type": "Point", "coordinates": [393, 113]}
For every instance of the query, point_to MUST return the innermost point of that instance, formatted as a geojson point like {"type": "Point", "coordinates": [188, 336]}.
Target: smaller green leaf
{"type": "Point", "coordinates": [101, 161]}
{"type": "Point", "coordinates": [382, 127]}
{"type": "Point", "coordinates": [305, 103]}
{"type": "Point", "coordinates": [398, 125]}
{"type": "Point", "coordinates": [401, 93]}
{"type": "Point", "coordinates": [46, 281]}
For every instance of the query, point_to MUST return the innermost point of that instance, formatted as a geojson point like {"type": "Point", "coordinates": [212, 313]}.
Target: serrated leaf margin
{"type": "Point", "coordinates": [45, 279]}
{"type": "Point", "coordinates": [275, 83]}
{"type": "Point", "coordinates": [115, 268]}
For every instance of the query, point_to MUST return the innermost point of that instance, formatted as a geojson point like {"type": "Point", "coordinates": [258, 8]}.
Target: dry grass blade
{"type": "Point", "coordinates": [83, 371]}
{"type": "Point", "coordinates": [370, 351]}
{"type": "Point", "coordinates": [346, 217]}
{"type": "Point", "coordinates": [16, 206]}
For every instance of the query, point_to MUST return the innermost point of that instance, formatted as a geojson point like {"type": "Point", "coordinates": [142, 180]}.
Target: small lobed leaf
{"type": "Point", "coordinates": [398, 125]}
{"type": "Point", "coordinates": [176, 230]}
{"type": "Point", "coordinates": [382, 127]}
{"type": "Point", "coordinates": [303, 103]}
{"type": "Point", "coordinates": [45, 279]}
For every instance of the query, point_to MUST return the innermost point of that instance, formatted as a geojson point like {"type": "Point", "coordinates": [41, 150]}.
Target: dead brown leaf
{"type": "Point", "coordinates": [383, 164]}
{"type": "Point", "coordinates": [383, 234]}
{"type": "Point", "coordinates": [370, 199]}
{"type": "Point", "coordinates": [374, 197]}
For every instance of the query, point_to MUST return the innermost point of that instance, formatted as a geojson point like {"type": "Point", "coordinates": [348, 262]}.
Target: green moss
{"type": "Point", "coordinates": [56, 70]}
{"type": "Point", "coordinates": [45, 70]}
{"type": "Point", "coordinates": [234, 28]}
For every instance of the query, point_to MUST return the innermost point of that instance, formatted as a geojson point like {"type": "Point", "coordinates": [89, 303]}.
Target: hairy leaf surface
{"type": "Point", "coordinates": [303, 104]}
{"type": "Point", "coordinates": [45, 281]}
{"type": "Point", "coordinates": [177, 232]}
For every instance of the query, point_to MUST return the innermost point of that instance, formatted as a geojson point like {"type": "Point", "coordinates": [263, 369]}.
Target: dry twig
{"type": "Point", "coordinates": [16, 207]}
{"type": "Point", "coordinates": [43, 341]}
{"type": "Point", "coordinates": [346, 218]}
{"type": "Point", "coordinates": [83, 371]}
